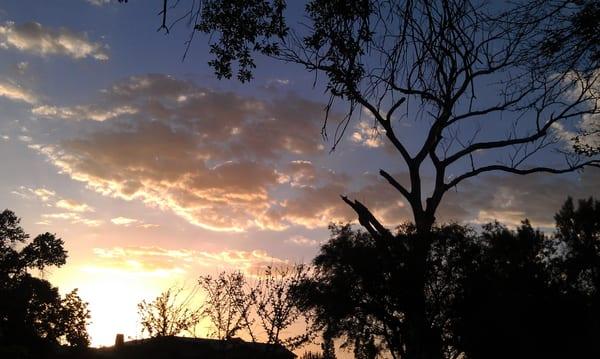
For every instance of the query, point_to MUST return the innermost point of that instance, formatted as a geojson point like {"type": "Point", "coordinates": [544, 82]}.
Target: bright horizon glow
{"type": "Point", "coordinates": [113, 295]}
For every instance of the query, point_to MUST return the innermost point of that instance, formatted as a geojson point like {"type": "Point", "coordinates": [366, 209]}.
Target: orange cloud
{"type": "Point", "coordinates": [210, 157]}
{"type": "Point", "coordinates": [72, 205]}
{"type": "Point", "coordinates": [149, 261]}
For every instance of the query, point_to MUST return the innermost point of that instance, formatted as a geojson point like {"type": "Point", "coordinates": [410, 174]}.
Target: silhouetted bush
{"type": "Point", "coordinates": [34, 319]}
{"type": "Point", "coordinates": [495, 294]}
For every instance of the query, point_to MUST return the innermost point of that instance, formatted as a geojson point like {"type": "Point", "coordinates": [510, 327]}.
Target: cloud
{"type": "Point", "coordinates": [302, 241]}
{"type": "Point", "coordinates": [29, 193]}
{"type": "Point", "coordinates": [587, 127]}
{"type": "Point", "coordinates": [214, 158]}
{"type": "Point", "coordinates": [298, 174]}
{"type": "Point", "coordinates": [157, 260]}
{"type": "Point", "coordinates": [367, 134]}
{"type": "Point", "coordinates": [22, 67]}
{"type": "Point", "coordinates": [16, 93]}
{"type": "Point", "coordinates": [506, 198]}
{"type": "Point", "coordinates": [34, 38]}
{"type": "Point", "coordinates": [98, 2]}
{"type": "Point", "coordinates": [74, 206]}
{"type": "Point", "coordinates": [123, 221]}
{"type": "Point", "coordinates": [74, 209]}
{"type": "Point", "coordinates": [72, 217]}
{"type": "Point", "coordinates": [126, 222]}
{"type": "Point", "coordinates": [314, 206]}
{"type": "Point", "coordinates": [44, 194]}
{"type": "Point", "coordinates": [511, 198]}
{"type": "Point", "coordinates": [82, 112]}
{"type": "Point", "coordinates": [227, 162]}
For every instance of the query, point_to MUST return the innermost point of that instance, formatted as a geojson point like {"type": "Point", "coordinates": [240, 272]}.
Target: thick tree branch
{"type": "Point", "coordinates": [518, 171]}
{"type": "Point", "coordinates": [540, 133]}
{"type": "Point", "coordinates": [400, 188]}
{"type": "Point", "coordinates": [368, 220]}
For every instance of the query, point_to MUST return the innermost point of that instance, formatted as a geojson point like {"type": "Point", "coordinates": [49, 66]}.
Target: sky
{"type": "Point", "coordinates": [154, 172]}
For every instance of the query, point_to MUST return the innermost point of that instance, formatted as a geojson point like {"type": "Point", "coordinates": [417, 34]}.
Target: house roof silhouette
{"type": "Point", "coordinates": [192, 348]}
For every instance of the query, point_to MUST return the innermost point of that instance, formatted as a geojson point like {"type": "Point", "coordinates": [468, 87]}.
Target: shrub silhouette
{"type": "Point", "coordinates": [34, 319]}
{"type": "Point", "coordinates": [496, 294]}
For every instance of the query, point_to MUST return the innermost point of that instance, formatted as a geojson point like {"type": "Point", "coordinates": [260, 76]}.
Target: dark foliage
{"type": "Point", "coordinates": [169, 314]}
{"type": "Point", "coordinates": [34, 319]}
{"type": "Point", "coordinates": [262, 310]}
{"type": "Point", "coordinates": [513, 305]}
{"type": "Point", "coordinates": [497, 294]}
{"type": "Point", "coordinates": [255, 24]}
{"type": "Point", "coordinates": [573, 42]}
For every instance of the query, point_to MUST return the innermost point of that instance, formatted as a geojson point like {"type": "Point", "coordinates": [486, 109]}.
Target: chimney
{"type": "Point", "coordinates": [119, 340]}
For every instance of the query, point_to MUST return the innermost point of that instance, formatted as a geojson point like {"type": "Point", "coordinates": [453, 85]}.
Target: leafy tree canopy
{"type": "Point", "coordinates": [495, 294]}
{"type": "Point", "coordinates": [33, 315]}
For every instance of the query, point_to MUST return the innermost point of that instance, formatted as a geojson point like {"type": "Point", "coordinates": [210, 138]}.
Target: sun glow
{"type": "Point", "coordinates": [113, 294]}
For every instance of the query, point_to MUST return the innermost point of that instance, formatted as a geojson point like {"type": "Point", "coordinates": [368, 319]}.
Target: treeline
{"type": "Point", "coordinates": [258, 308]}
{"type": "Point", "coordinates": [35, 321]}
{"type": "Point", "coordinates": [490, 293]}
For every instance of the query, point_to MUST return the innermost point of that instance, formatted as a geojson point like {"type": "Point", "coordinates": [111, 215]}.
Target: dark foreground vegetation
{"type": "Point", "coordinates": [497, 293]}
{"type": "Point", "coordinates": [34, 319]}
{"type": "Point", "coordinates": [491, 293]}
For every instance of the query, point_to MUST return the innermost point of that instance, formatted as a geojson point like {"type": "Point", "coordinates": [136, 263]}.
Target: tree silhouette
{"type": "Point", "coordinates": [478, 78]}
{"type": "Point", "coordinates": [578, 230]}
{"type": "Point", "coordinates": [75, 317]}
{"type": "Point", "coordinates": [495, 294]}
{"type": "Point", "coordinates": [575, 40]}
{"type": "Point", "coordinates": [519, 289]}
{"type": "Point", "coordinates": [33, 316]}
{"type": "Point", "coordinates": [362, 288]}
{"type": "Point", "coordinates": [169, 314]}
{"type": "Point", "coordinates": [228, 304]}
{"type": "Point", "coordinates": [275, 309]}
{"type": "Point", "coordinates": [506, 304]}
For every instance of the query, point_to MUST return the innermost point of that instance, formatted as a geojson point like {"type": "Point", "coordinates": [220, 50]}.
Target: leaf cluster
{"type": "Point", "coordinates": [535, 294]}
{"type": "Point", "coordinates": [32, 312]}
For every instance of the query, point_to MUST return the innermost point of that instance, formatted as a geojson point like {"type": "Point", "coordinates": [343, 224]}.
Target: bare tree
{"type": "Point", "coordinates": [475, 77]}
{"type": "Point", "coordinates": [170, 313]}
{"type": "Point", "coordinates": [276, 311]}
{"type": "Point", "coordinates": [483, 79]}
{"type": "Point", "coordinates": [228, 304]}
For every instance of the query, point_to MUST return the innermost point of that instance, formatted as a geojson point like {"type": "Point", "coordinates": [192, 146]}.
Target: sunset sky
{"type": "Point", "coordinates": [153, 171]}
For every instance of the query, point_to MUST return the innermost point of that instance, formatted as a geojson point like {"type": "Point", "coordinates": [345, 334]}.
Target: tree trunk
{"type": "Point", "coordinates": [422, 341]}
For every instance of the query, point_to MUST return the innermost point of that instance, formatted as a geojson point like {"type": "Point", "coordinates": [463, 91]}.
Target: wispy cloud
{"type": "Point", "coordinates": [82, 112]}
{"type": "Point", "coordinates": [72, 205]}
{"type": "Point", "coordinates": [162, 261]}
{"type": "Point", "coordinates": [17, 93]}
{"type": "Point", "coordinates": [99, 2]}
{"type": "Point", "coordinates": [73, 210]}
{"type": "Point", "coordinates": [44, 194]}
{"type": "Point", "coordinates": [123, 221]}
{"type": "Point", "coordinates": [71, 217]}
{"type": "Point", "coordinates": [127, 222]}
{"type": "Point", "coordinates": [34, 38]}
{"type": "Point", "coordinates": [302, 241]}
